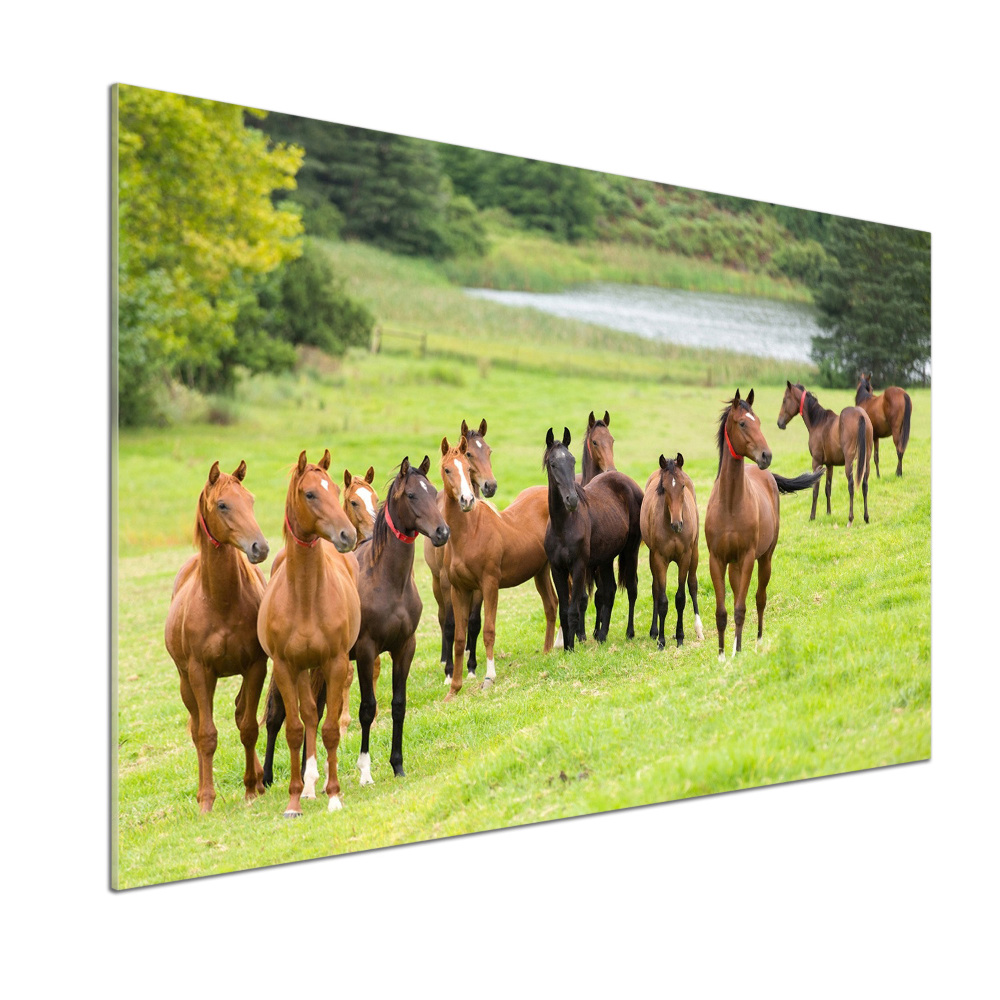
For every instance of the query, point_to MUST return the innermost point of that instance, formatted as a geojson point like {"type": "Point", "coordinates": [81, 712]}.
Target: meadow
{"type": "Point", "coordinates": [841, 681]}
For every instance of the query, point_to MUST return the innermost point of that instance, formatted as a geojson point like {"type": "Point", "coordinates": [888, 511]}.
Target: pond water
{"type": "Point", "coordinates": [762, 327]}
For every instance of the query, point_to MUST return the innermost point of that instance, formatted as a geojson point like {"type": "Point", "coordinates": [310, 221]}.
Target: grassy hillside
{"type": "Point", "coordinates": [841, 682]}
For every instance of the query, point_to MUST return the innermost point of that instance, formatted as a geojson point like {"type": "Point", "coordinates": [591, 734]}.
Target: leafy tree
{"type": "Point", "coordinates": [874, 298]}
{"type": "Point", "coordinates": [197, 232]}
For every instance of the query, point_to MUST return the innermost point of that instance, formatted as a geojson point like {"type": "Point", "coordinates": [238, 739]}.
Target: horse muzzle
{"type": "Point", "coordinates": [781, 424]}
{"type": "Point", "coordinates": [678, 526]}
{"type": "Point", "coordinates": [257, 551]}
{"type": "Point", "coordinates": [764, 460]}
{"type": "Point", "coordinates": [466, 503]}
{"type": "Point", "coordinates": [441, 535]}
{"type": "Point", "coordinates": [572, 501]}
{"type": "Point", "coordinates": [489, 488]}
{"type": "Point", "coordinates": [344, 540]}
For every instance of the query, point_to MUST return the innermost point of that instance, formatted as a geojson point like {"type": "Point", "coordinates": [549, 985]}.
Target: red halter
{"type": "Point", "coordinates": [802, 402]}
{"type": "Point", "coordinates": [305, 545]}
{"type": "Point", "coordinates": [739, 458]}
{"type": "Point", "coordinates": [204, 526]}
{"type": "Point", "coordinates": [402, 536]}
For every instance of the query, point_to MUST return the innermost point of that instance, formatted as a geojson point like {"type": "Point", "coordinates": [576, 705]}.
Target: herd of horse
{"type": "Point", "coordinates": [341, 592]}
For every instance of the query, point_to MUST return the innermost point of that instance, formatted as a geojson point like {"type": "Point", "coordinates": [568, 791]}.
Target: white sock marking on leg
{"type": "Point", "coordinates": [365, 767]}
{"type": "Point", "coordinates": [697, 627]}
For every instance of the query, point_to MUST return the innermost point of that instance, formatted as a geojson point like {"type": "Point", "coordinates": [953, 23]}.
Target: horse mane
{"type": "Point", "coordinates": [720, 437]}
{"type": "Point", "coordinates": [380, 530]}
{"type": "Point", "coordinates": [863, 391]}
{"type": "Point", "coordinates": [817, 411]}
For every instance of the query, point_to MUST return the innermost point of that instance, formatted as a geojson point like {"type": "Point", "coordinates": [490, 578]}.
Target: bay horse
{"type": "Point", "coordinates": [489, 550]}
{"type": "Point", "coordinates": [588, 528]}
{"type": "Point", "coordinates": [741, 522]}
{"type": "Point", "coordinates": [598, 449]}
{"type": "Point", "coordinates": [390, 610]}
{"type": "Point", "coordinates": [361, 502]}
{"type": "Point", "coordinates": [211, 628]}
{"type": "Point", "coordinates": [309, 619]}
{"type": "Point", "coordinates": [889, 414]}
{"type": "Point", "coordinates": [669, 523]}
{"type": "Point", "coordinates": [483, 483]}
{"type": "Point", "coordinates": [834, 439]}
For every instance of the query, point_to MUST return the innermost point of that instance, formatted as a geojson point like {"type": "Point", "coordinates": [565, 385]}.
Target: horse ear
{"type": "Point", "coordinates": [566, 437]}
{"type": "Point", "coordinates": [663, 462]}
{"type": "Point", "coordinates": [213, 474]}
{"type": "Point", "coordinates": [789, 384]}
{"type": "Point", "coordinates": [736, 398]}
{"type": "Point", "coordinates": [444, 446]}
{"type": "Point", "coordinates": [302, 462]}
{"type": "Point", "coordinates": [465, 428]}
{"type": "Point", "coordinates": [549, 438]}
{"type": "Point", "coordinates": [404, 466]}
{"type": "Point", "coordinates": [750, 398]}
{"type": "Point", "coordinates": [324, 462]}
{"type": "Point", "coordinates": [241, 470]}
{"type": "Point", "coordinates": [425, 465]}
{"type": "Point", "coordinates": [607, 419]}
{"type": "Point", "coordinates": [482, 427]}
{"type": "Point", "coordinates": [347, 478]}
{"type": "Point", "coordinates": [590, 420]}
{"type": "Point", "coordinates": [679, 461]}
{"type": "Point", "coordinates": [463, 444]}
{"type": "Point", "coordinates": [370, 474]}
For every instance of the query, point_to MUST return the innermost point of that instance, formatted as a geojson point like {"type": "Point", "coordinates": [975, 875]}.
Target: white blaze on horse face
{"type": "Point", "coordinates": [366, 499]}
{"type": "Point", "coordinates": [425, 486]}
{"type": "Point", "coordinates": [479, 444]}
{"type": "Point", "coordinates": [365, 767]}
{"type": "Point", "coordinates": [324, 484]}
{"type": "Point", "coordinates": [465, 486]}
{"type": "Point", "coordinates": [750, 416]}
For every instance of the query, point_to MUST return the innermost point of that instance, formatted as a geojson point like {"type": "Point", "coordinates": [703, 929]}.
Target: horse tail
{"type": "Point", "coordinates": [905, 435]}
{"type": "Point", "coordinates": [802, 482]}
{"type": "Point", "coordinates": [862, 446]}
{"type": "Point", "coordinates": [628, 559]}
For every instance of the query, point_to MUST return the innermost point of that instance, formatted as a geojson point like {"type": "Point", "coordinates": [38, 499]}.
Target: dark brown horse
{"type": "Point", "coordinates": [390, 610]}
{"type": "Point", "coordinates": [889, 414]}
{"type": "Point", "coordinates": [669, 522]}
{"type": "Point", "coordinates": [211, 629]}
{"type": "Point", "coordinates": [309, 619]}
{"type": "Point", "coordinates": [598, 449]}
{"type": "Point", "coordinates": [483, 483]}
{"type": "Point", "coordinates": [490, 550]}
{"type": "Point", "coordinates": [834, 439]}
{"type": "Point", "coordinates": [589, 527]}
{"type": "Point", "coordinates": [741, 523]}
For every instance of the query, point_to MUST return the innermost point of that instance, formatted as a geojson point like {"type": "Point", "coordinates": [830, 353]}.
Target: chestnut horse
{"type": "Point", "coordinates": [741, 522]}
{"type": "Point", "coordinates": [483, 480]}
{"type": "Point", "coordinates": [211, 629]}
{"type": "Point", "coordinates": [309, 620]}
{"type": "Point", "coordinates": [489, 550]}
{"type": "Point", "coordinates": [598, 449]}
{"type": "Point", "coordinates": [589, 526]}
{"type": "Point", "coordinates": [361, 502]}
{"type": "Point", "coordinates": [669, 522]}
{"type": "Point", "coordinates": [889, 414]}
{"type": "Point", "coordinates": [390, 610]}
{"type": "Point", "coordinates": [834, 439]}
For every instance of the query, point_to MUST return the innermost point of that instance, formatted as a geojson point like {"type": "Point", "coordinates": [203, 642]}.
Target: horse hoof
{"type": "Point", "coordinates": [449, 696]}
{"type": "Point", "coordinates": [487, 684]}
{"type": "Point", "coordinates": [291, 814]}
{"type": "Point", "coordinates": [400, 773]}
{"type": "Point", "coordinates": [334, 804]}
{"type": "Point", "coordinates": [472, 675]}
{"type": "Point", "coordinates": [722, 657]}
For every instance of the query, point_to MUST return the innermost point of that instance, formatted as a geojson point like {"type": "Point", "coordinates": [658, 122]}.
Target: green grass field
{"type": "Point", "coordinates": [841, 682]}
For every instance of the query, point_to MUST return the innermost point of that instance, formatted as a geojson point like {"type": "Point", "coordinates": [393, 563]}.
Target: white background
{"type": "Point", "coordinates": [882, 882]}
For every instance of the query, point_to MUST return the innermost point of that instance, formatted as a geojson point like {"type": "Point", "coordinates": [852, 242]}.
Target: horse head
{"type": "Point", "coordinates": [791, 403]}
{"type": "Point", "coordinates": [414, 503]}
{"type": "Point", "coordinates": [456, 474]}
{"type": "Point", "coordinates": [741, 431]}
{"type": "Point", "coordinates": [312, 507]}
{"type": "Point", "coordinates": [361, 502]}
{"type": "Point", "coordinates": [225, 513]}
{"type": "Point", "coordinates": [478, 453]}
{"type": "Point", "coordinates": [561, 468]}
{"type": "Point", "coordinates": [671, 487]}
{"type": "Point", "coordinates": [600, 443]}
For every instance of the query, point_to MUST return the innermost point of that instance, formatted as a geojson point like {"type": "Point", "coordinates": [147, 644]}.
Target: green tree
{"type": "Point", "coordinates": [874, 299]}
{"type": "Point", "coordinates": [197, 232]}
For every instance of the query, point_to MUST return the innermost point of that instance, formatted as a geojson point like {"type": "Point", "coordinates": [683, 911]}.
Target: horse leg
{"type": "Point", "coordinates": [849, 466]}
{"type": "Point", "coordinates": [274, 719]}
{"type": "Point", "coordinates": [366, 712]}
{"type": "Point", "coordinates": [812, 515]}
{"type": "Point", "coordinates": [246, 721]}
{"type": "Point", "coordinates": [491, 593]}
{"type": "Point", "coordinates": [718, 573]}
{"type": "Point", "coordinates": [293, 736]}
{"type": "Point", "coordinates": [444, 607]}
{"type": "Point", "coordinates": [602, 617]}
{"type": "Point", "coordinates": [335, 674]}
{"type": "Point", "coordinates": [692, 581]}
{"type": "Point", "coordinates": [550, 605]}
{"type": "Point", "coordinates": [679, 599]}
{"type": "Point", "coordinates": [475, 627]}
{"type": "Point", "coordinates": [310, 722]}
{"type": "Point", "coordinates": [829, 487]}
{"type": "Point", "coordinates": [864, 491]}
{"type": "Point", "coordinates": [897, 435]}
{"type": "Point", "coordinates": [317, 688]}
{"type": "Point", "coordinates": [345, 711]}
{"type": "Point", "coordinates": [461, 602]}
{"type": "Point", "coordinates": [658, 570]}
{"type": "Point", "coordinates": [763, 575]}
{"type": "Point", "coordinates": [401, 661]}
{"type": "Point", "coordinates": [739, 580]}
{"type": "Point", "coordinates": [561, 580]}
{"type": "Point", "coordinates": [205, 736]}
{"type": "Point", "coordinates": [629, 572]}
{"type": "Point", "coordinates": [878, 475]}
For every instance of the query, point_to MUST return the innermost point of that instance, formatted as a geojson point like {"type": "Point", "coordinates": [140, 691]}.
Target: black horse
{"type": "Point", "coordinates": [589, 526]}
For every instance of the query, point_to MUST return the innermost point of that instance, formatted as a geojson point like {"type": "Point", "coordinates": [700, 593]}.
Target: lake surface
{"type": "Point", "coordinates": [762, 327]}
